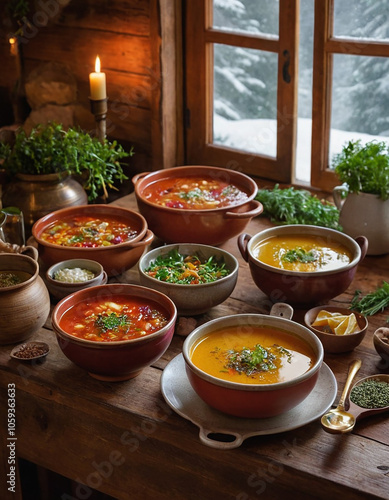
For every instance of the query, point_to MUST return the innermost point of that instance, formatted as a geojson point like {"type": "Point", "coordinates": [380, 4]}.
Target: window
{"type": "Point", "coordinates": [259, 101]}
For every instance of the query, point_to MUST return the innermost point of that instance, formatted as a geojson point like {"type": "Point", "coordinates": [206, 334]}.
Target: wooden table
{"type": "Point", "coordinates": [124, 440]}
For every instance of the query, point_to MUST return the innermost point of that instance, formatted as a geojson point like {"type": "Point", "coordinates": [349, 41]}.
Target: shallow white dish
{"type": "Point", "coordinates": [222, 431]}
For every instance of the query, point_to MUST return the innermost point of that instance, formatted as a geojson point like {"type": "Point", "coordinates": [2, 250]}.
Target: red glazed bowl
{"type": "Point", "coordinates": [302, 288]}
{"type": "Point", "coordinates": [252, 400]}
{"type": "Point", "coordinates": [208, 226]}
{"type": "Point", "coordinates": [120, 360]}
{"type": "Point", "coordinates": [115, 258]}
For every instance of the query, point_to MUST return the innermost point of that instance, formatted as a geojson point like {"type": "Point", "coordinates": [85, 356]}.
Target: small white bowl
{"type": "Point", "coordinates": [192, 300]}
{"type": "Point", "coordinates": [61, 289]}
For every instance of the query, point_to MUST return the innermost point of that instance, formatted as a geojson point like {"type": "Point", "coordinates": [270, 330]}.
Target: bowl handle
{"type": "Point", "coordinates": [148, 238]}
{"type": "Point", "coordinates": [136, 177]}
{"type": "Point", "coordinates": [243, 240]}
{"type": "Point", "coordinates": [282, 310]}
{"type": "Point", "coordinates": [363, 243]}
{"type": "Point", "coordinates": [256, 210]}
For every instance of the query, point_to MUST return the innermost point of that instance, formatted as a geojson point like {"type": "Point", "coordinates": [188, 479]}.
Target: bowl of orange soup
{"type": "Point", "coordinates": [253, 365]}
{"type": "Point", "coordinates": [196, 204]}
{"type": "Point", "coordinates": [114, 331]}
{"type": "Point", "coordinates": [113, 236]}
{"type": "Point", "coordinates": [300, 264]}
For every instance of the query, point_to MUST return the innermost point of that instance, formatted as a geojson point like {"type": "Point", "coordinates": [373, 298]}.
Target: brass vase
{"type": "Point", "coordinates": [38, 195]}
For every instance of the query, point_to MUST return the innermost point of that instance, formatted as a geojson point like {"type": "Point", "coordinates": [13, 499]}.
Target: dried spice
{"type": "Point", "coordinates": [372, 393]}
{"type": "Point", "coordinates": [28, 351]}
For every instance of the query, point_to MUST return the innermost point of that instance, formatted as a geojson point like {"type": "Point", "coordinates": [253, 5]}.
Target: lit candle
{"type": "Point", "coordinates": [97, 83]}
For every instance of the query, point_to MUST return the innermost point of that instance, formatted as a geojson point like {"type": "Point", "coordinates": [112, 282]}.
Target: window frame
{"type": "Point", "coordinates": [198, 96]}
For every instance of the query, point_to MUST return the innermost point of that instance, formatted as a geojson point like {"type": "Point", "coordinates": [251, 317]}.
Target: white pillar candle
{"type": "Point", "coordinates": [97, 83]}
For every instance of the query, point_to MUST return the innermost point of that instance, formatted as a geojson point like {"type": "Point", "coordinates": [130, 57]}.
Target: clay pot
{"type": "Point", "coordinates": [115, 258]}
{"type": "Point", "coordinates": [253, 400]}
{"type": "Point", "coordinates": [24, 307]}
{"type": "Point", "coordinates": [302, 288]}
{"type": "Point", "coordinates": [38, 195]}
{"type": "Point", "coordinates": [364, 214]}
{"type": "Point", "coordinates": [208, 226]}
{"type": "Point", "coordinates": [119, 360]}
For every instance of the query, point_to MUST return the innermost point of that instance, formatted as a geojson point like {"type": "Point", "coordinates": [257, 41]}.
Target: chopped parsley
{"type": "Point", "coordinates": [112, 322]}
{"type": "Point", "coordinates": [300, 255]}
{"type": "Point", "coordinates": [258, 359]}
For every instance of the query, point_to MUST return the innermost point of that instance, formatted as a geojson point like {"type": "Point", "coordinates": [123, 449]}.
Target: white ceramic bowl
{"type": "Point", "coordinates": [192, 300]}
{"type": "Point", "coordinates": [60, 289]}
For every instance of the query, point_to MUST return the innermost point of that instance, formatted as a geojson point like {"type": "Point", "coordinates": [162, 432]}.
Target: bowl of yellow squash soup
{"type": "Point", "coordinates": [302, 265]}
{"type": "Point", "coordinates": [253, 365]}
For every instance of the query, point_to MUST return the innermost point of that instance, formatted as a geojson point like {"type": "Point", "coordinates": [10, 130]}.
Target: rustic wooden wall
{"type": "Point", "coordinates": [127, 35]}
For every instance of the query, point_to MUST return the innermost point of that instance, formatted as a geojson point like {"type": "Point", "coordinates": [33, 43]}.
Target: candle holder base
{"type": "Point", "coordinates": [99, 108]}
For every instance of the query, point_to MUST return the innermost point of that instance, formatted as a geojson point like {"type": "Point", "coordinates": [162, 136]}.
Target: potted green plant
{"type": "Point", "coordinates": [363, 197]}
{"type": "Point", "coordinates": [52, 168]}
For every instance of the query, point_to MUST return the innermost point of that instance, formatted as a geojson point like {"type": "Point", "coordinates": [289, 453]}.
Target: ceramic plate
{"type": "Point", "coordinates": [218, 430]}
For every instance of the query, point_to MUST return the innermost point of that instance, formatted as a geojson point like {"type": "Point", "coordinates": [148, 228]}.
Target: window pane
{"type": "Point", "coordinates": [245, 99]}
{"type": "Point", "coordinates": [247, 16]}
{"type": "Point", "coordinates": [360, 100]}
{"type": "Point", "coordinates": [361, 19]}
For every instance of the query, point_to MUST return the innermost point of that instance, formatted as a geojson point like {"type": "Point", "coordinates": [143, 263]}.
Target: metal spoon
{"type": "Point", "coordinates": [338, 420]}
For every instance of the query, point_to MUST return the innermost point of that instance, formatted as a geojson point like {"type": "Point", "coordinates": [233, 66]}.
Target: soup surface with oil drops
{"type": "Point", "coordinates": [252, 355]}
{"type": "Point", "coordinates": [302, 253]}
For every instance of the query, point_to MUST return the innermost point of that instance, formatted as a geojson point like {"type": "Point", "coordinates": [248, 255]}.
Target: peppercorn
{"type": "Point", "coordinates": [371, 393]}
{"type": "Point", "coordinates": [28, 351]}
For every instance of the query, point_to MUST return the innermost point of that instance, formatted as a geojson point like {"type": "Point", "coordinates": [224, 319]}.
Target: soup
{"type": "Point", "coordinates": [175, 267]}
{"type": "Point", "coordinates": [88, 232]}
{"type": "Point", "coordinates": [11, 278]}
{"type": "Point", "coordinates": [193, 193]}
{"type": "Point", "coordinates": [252, 355]}
{"type": "Point", "coordinates": [112, 319]}
{"type": "Point", "coordinates": [302, 253]}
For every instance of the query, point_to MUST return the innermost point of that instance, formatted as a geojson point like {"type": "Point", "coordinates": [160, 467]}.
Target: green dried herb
{"type": "Point", "coordinates": [372, 393]}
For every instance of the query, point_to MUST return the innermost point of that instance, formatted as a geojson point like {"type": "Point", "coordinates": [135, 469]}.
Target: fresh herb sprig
{"type": "Point", "coordinates": [372, 303]}
{"type": "Point", "coordinates": [256, 360]}
{"type": "Point", "coordinates": [364, 167]}
{"type": "Point", "coordinates": [297, 206]}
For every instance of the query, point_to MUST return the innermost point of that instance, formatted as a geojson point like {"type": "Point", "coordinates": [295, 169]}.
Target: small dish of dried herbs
{"type": "Point", "coordinates": [30, 351]}
{"type": "Point", "coordinates": [371, 393]}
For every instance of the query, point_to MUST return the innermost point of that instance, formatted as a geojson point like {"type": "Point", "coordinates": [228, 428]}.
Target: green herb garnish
{"type": "Point", "coordinates": [112, 322]}
{"type": "Point", "coordinates": [373, 302]}
{"type": "Point", "coordinates": [258, 359]}
{"type": "Point", "coordinates": [300, 255]}
{"type": "Point", "coordinates": [186, 270]}
{"type": "Point", "coordinates": [297, 206]}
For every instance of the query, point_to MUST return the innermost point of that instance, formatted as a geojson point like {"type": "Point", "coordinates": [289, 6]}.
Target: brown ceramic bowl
{"type": "Point", "coordinates": [192, 299]}
{"type": "Point", "coordinates": [302, 288]}
{"type": "Point", "coordinates": [337, 343]}
{"type": "Point", "coordinates": [120, 360]}
{"type": "Point", "coordinates": [115, 258]}
{"type": "Point", "coordinates": [252, 400]}
{"type": "Point", "coordinates": [381, 342]}
{"type": "Point", "coordinates": [208, 226]}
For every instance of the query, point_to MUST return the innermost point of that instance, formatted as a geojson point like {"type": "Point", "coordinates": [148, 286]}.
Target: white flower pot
{"type": "Point", "coordinates": [366, 215]}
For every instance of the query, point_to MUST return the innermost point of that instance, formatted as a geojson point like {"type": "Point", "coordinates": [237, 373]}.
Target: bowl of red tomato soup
{"type": "Point", "coordinates": [197, 204]}
{"type": "Point", "coordinates": [253, 365]}
{"type": "Point", "coordinates": [114, 331]}
{"type": "Point", "coordinates": [302, 265]}
{"type": "Point", "coordinates": [115, 237]}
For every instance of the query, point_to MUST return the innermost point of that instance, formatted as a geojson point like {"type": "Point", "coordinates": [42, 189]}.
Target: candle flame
{"type": "Point", "coordinates": [97, 64]}
{"type": "Point", "coordinates": [12, 40]}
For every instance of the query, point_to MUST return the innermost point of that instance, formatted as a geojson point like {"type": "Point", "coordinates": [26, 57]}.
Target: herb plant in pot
{"type": "Point", "coordinates": [363, 198]}
{"type": "Point", "coordinates": [53, 168]}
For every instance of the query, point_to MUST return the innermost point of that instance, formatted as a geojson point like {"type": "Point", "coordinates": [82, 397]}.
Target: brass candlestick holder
{"type": "Point", "coordinates": [99, 108]}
